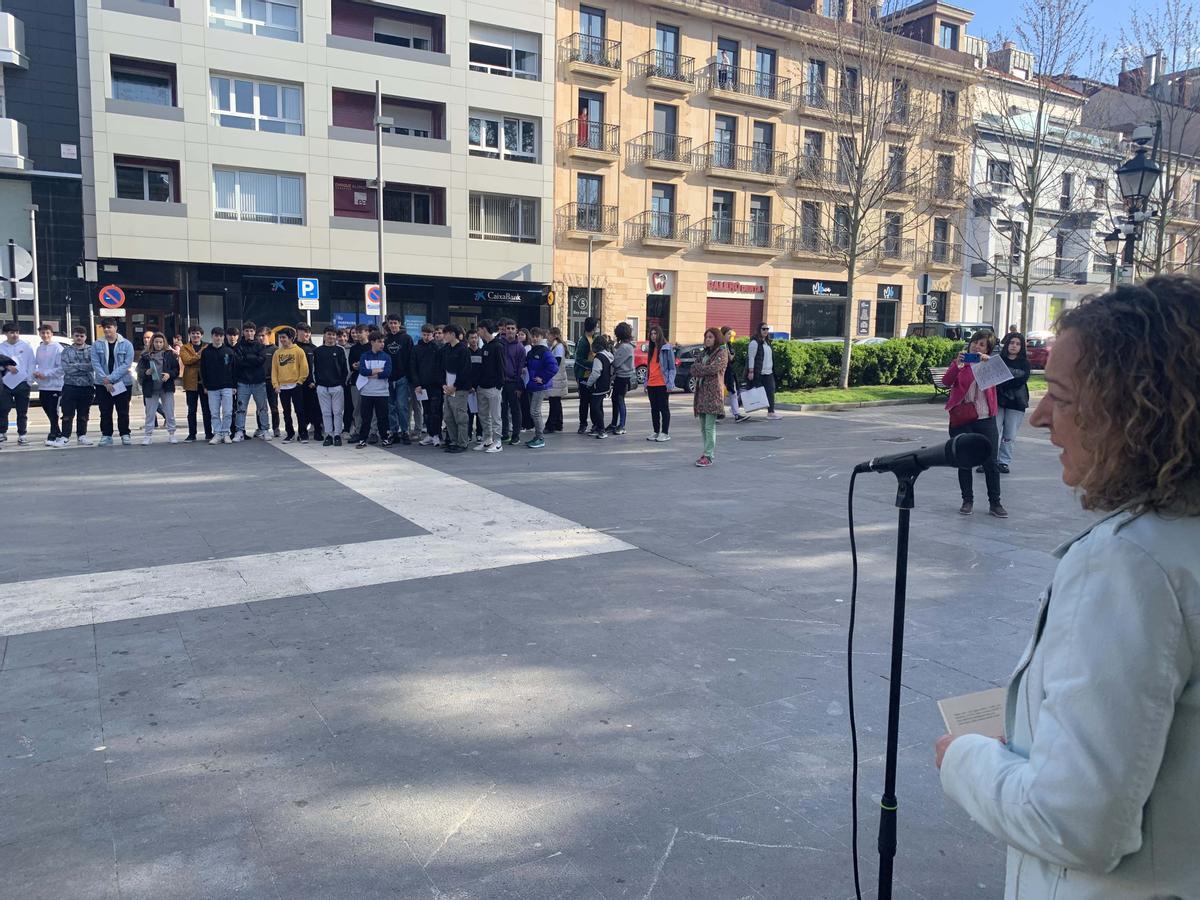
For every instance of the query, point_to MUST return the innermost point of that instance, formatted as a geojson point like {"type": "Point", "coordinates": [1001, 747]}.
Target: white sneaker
{"type": "Point", "coordinates": [22, 439]}
{"type": "Point", "coordinates": [478, 446]}
{"type": "Point", "coordinates": [435, 442]}
{"type": "Point", "coordinates": [216, 440]}
{"type": "Point", "coordinates": [239, 437]}
{"type": "Point", "coordinates": [426, 441]}
{"type": "Point", "coordinates": [266, 436]}
{"type": "Point", "coordinates": [226, 439]}
{"type": "Point", "coordinates": [494, 448]}
{"type": "Point", "coordinates": [172, 440]}
{"type": "Point", "coordinates": [662, 438]}
{"type": "Point", "coordinates": [774, 417]}
{"type": "Point", "coordinates": [84, 441]}
{"type": "Point", "coordinates": [126, 440]}
{"type": "Point", "coordinates": [58, 442]}
{"type": "Point", "coordinates": [652, 437]}
{"type": "Point", "coordinates": [147, 441]}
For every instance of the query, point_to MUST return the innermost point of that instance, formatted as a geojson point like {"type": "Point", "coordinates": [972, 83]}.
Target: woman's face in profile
{"type": "Point", "coordinates": [1057, 410]}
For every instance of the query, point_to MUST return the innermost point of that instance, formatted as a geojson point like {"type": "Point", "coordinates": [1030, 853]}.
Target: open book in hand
{"type": "Point", "coordinates": [978, 713]}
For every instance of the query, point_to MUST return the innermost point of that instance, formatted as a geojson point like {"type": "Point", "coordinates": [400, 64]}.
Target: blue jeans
{"type": "Point", "coordinates": [220, 404]}
{"type": "Point", "coordinates": [259, 393]}
{"type": "Point", "coordinates": [1009, 422]}
{"type": "Point", "coordinates": [398, 405]}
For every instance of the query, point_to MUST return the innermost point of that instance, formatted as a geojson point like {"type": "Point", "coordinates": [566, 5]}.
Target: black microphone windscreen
{"type": "Point", "coordinates": [970, 450]}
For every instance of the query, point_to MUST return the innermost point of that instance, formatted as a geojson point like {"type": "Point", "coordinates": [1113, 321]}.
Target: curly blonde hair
{"type": "Point", "coordinates": [1138, 380]}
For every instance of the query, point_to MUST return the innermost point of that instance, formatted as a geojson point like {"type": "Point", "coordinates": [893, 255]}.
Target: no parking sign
{"type": "Point", "coordinates": [373, 297]}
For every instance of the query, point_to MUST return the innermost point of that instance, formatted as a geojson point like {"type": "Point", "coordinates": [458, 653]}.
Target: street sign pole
{"type": "Point", "coordinates": [380, 124]}
{"type": "Point", "coordinates": [37, 312]}
{"type": "Point", "coordinates": [12, 274]}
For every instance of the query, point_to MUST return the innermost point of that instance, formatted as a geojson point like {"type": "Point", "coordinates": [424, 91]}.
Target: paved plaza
{"type": "Point", "coordinates": [591, 671]}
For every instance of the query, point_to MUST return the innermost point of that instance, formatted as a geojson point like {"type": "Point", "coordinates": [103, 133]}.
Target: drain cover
{"type": "Point", "coordinates": [760, 437]}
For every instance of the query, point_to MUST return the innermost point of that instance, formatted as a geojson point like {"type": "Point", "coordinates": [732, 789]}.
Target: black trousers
{"type": "Point", "coordinates": [200, 398]}
{"type": "Point", "coordinates": [14, 397]}
{"type": "Point", "coordinates": [596, 408]}
{"type": "Point", "coordinates": [620, 389]}
{"type": "Point", "coordinates": [106, 403]}
{"type": "Point", "coordinates": [554, 421]}
{"type": "Point", "coordinates": [991, 473]}
{"type": "Point", "coordinates": [293, 399]}
{"type": "Point", "coordinates": [347, 408]}
{"type": "Point", "coordinates": [378, 406]}
{"type": "Point", "coordinates": [585, 404]}
{"type": "Point", "coordinates": [433, 411]}
{"type": "Point", "coordinates": [526, 415]}
{"type": "Point", "coordinates": [49, 401]}
{"type": "Point", "coordinates": [74, 404]}
{"type": "Point", "coordinates": [273, 405]}
{"type": "Point", "coordinates": [312, 411]}
{"type": "Point", "coordinates": [767, 383]}
{"type": "Point", "coordinates": [510, 410]}
{"type": "Point", "coordinates": [660, 409]}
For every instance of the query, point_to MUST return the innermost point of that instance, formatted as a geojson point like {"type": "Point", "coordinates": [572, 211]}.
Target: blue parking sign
{"type": "Point", "coordinates": [308, 293]}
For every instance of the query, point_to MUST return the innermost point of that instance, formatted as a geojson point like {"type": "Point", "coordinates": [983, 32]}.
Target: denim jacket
{"type": "Point", "coordinates": [1095, 790]}
{"type": "Point", "coordinates": [122, 361]}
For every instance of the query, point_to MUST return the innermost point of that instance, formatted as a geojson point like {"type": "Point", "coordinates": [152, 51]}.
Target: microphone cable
{"type": "Point", "coordinates": [850, 689]}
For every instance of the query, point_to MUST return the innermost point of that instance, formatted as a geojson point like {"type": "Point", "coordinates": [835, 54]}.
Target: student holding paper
{"type": "Point", "coordinates": [374, 372]}
{"type": "Point", "coordinates": [112, 362]}
{"type": "Point", "coordinates": [973, 411]}
{"type": "Point", "coordinates": [1095, 788]}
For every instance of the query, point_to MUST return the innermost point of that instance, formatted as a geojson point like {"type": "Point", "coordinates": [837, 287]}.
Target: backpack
{"type": "Point", "coordinates": [604, 383]}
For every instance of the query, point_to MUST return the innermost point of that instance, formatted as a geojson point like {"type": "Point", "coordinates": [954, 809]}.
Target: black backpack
{"type": "Point", "coordinates": [604, 383]}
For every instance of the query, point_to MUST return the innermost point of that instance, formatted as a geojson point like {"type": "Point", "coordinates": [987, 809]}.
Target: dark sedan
{"type": "Point", "coordinates": [685, 355]}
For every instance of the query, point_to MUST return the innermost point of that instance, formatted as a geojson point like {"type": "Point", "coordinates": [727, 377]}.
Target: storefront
{"type": "Point", "coordinates": [736, 301]}
{"type": "Point", "coordinates": [170, 297]}
{"type": "Point", "coordinates": [660, 288]}
{"type": "Point", "coordinates": [818, 308]}
{"type": "Point", "coordinates": [888, 298]}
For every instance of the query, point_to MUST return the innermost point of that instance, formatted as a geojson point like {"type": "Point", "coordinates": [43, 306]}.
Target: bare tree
{"type": "Point", "coordinates": [1037, 193]}
{"type": "Point", "coordinates": [880, 105]}
{"type": "Point", "coordinates": [1165, 91]}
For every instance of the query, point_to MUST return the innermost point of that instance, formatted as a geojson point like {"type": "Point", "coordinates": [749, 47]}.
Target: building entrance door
{"type": "Point", "coordinates": [138, 322]}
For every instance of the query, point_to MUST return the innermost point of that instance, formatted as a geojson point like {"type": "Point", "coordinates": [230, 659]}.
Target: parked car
{"type": "Point", "coordinates": [1038, 345]}
{"type": "Point", "coordinates": [684, 357]}
{"type": "Point", "coordinates": [955, 331]}
{"type": "Point", "coordinates": [641, 361]}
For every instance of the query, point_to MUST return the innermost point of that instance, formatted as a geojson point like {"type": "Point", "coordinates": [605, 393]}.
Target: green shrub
{"type": "Point", "coordinates": [800, 364]}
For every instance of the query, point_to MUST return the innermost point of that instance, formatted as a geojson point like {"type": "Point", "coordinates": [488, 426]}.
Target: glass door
{"type": "Point", "coordinates": [662, 210]}
{"type": "Point", "coordinates": [591, 120]}
{"type": "Point", "coordinates": [760, 220]}
{"type": "Point", "coordinates": [666, 131]}
{"type": "Point", "coordinates": [725, 136]}
{"type": "Point", "coordinates": [764, 146]}
{"type": "Point", "coordinates": [722, 217]}
{"type": "Point", "coordinates": [728, 52]}
{"type": "Point", "coordinates": [666, 50]}
{"type": "Point", "coordinates": [591, 35]}
{"type": "Point", "coordinates": [589, 190]}
{"type": "Point", "coordinates": [764, 72]}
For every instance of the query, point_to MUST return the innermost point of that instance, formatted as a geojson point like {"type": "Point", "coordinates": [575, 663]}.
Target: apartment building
{"type": "Point", "coordinates": [688, 135]}
{"type": "Point", "coordinates": [230, 149]}
{"type": "Point", "coordinates": [40, 186]}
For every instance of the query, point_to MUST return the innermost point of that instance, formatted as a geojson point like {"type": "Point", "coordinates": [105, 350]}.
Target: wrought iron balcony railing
{"type": "Point", "coordinates": [661, 64]}
{"type": "Point", "coordinates": [748, 83]}
{"type": "Point", "coordinates": [588, 218]}
{"type": "Point", "coordinates": [747, 160]}
{"type": "Point", "coordinates": [582, 134]}
{"type": "Point", "coordinates": [590, 50]}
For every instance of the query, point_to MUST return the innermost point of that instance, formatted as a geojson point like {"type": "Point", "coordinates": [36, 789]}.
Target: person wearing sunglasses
{"type": "Point", "coordinates": [760, 368]}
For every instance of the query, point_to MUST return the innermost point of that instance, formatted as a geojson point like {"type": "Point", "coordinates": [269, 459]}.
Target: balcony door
{"type": "Point", "coordinates": [722, 217]}
{"type": "Point", "coordinates": [760, 220]}
{"type": "Point", "coordinates": [728, 53]}
{"type": "Point", "coordinates": [765, 62]}
{"type": "Point", "coordinates": [589, 193]}
{"type": "Point", "coordinates": [591, 120]}
{"type": "Point", "coordinates": [662, 210]}
{"type": "Point", "coordinates": [725, 137]}
{"type": "Point", "coordinates": [666, 50]}
{"type": "Point", "coordinates": [591, 34]}
{"type": "Point", "coordinates": [764, 147]}
{"type": "Point", "coordinates": [666, 131]}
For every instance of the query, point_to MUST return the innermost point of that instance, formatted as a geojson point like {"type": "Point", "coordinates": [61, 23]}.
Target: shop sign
{"type": "Point", "coordinates": [809, 287]}
{"type": "Point", "coordinates": [736, 287]}
{"type": "Point", "coordinates": [864, 318]}
{"type": "Point", "coordinates": [660, 283]}
{"type": "Point", "coordinates": [889, 292]}
{"type": "Point", "coordinates": [498, 297]}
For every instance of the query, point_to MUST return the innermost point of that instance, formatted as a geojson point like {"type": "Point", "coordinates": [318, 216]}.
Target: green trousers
{"type": "Point", "coordinates": [708, 428]}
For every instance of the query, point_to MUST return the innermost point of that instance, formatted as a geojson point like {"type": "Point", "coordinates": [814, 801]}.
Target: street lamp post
{"type": "Point", "coordinates": [1137, 178]}
{"type": "Point", "coordinates": [381, 122]}
{"type": "Point", "coordinates": [37, 311]}
{"type": "Point", "coordinates": [1112, 246]}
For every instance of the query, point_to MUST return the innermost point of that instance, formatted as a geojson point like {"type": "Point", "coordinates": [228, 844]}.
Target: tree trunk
{"type": "Point", "coordinates": [847, 343]}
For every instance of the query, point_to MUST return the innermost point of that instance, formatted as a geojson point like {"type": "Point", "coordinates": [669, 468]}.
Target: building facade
{"type": "Point", "coordinates": [40, 182]}
{"type": "Point", "coordinates": [230, 150]}
{"type": "Point", "coordinates": [686, 132]}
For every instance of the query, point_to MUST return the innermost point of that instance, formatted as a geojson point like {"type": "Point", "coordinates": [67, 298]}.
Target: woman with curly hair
{"type": "Point", "coordinates": [1094, 788]}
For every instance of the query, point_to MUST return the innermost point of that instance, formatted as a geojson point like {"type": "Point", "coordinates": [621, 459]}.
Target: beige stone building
{"type": "Point", "coordinates": [688, 137]}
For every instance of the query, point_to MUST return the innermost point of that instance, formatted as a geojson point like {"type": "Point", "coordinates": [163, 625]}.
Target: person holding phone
{"type": "Point", "coordinates": [973, 411]}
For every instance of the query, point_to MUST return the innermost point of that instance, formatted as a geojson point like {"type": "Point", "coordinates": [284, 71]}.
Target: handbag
{"type": "Point", "coordinates": [754, 399]}
{"type": "Point", "coordinates": [963, 414]}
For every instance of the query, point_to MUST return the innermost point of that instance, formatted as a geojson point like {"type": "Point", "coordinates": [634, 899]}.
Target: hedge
{"type": "Point", "coordinates": [801, 364]}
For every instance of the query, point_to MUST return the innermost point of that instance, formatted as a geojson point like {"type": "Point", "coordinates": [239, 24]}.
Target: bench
{"type": "Point", "coordinates": [935, 378]}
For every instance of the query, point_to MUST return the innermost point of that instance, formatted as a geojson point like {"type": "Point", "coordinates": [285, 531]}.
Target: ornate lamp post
{"type": "Point", "coordinates": [1137, 178]}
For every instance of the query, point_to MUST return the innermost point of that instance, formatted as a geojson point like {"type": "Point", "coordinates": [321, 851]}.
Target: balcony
{"type": "Point", "coordinates": [14, 146]}
{"type": "Point", "coordinates": [587, 221]}
{"type": "Point", "coordinates": [825, 101]}
{"type": "Point", "coordinates": [592, 57]}
{"type": "Point", "coordinates": [812, 169]}
{"type": "Point", "coordinates": [1070, 268]}
{"type": "Point", "coordinates": [720, 235]}
{"type": "Point", "coordinates": [941, 257]}
{"type": "Point", "coordinates": [12, 42]}
{"type": "Point", "coordinates": [662, 71]}
{"type": "Point", "coordinates": [746, 87]}
{"type": "Point", "coordinates": [809, 243]}
{"type": "Point", "coordinates": [595, 141]}
{"type": "Point", "coordinates": [953, 128]}
{"type": "Point", "coordinates": [900, 116]}
{"type": "Point", "coordinates": [1187, 210]}
{"type": "Point", "coordinates": [658, 229]}
{"type": "Point", "coordinates": [740, 163]}
{"type": "Point", "coordinates": [384, 30]}
{"type": "Point", "coordinates": [896, 253]}
{"type": "Point", "coordinates": [901, 181]}
{"type": "Point", "coordinates": [947, 191]}
{"type": "Point", "coordinates": [662, 151]}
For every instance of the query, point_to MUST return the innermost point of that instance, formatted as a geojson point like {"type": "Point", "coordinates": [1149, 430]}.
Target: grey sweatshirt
{"type": "Point", "coordinates": [623, 360]}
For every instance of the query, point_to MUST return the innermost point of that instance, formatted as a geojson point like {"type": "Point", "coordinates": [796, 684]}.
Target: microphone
{"type": "Point", "coordinates": [964, 451]}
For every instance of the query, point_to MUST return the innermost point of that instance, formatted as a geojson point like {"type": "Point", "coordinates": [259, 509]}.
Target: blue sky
{"type": "Point", "coordinates": [996, 16]}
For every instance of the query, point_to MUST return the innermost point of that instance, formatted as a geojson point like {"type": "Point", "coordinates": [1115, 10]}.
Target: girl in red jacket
{"type": "Point", "coordinates": [973, 411]}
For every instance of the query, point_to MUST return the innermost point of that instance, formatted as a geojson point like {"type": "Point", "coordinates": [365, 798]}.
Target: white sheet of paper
{"type": "Point", "coordinates": [472, 403]}
{"type": "Point", "coordinates": [979, 713]}
{"type": "Point", "coordinates": [117, 388]}
{"type": "Point", "coordinates": [991, 373]}
{"type": "Point", "coordinates": [361, 382]}
{"type": "Point", "coordinates": [420, 394]}
{"type": "Point", "coordinates": [12, 379]}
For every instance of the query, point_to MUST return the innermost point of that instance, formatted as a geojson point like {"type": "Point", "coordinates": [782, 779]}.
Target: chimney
{"type": "Point", "coordinates": [1151, 68]}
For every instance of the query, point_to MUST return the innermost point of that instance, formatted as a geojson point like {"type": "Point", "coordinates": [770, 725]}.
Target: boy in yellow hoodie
{"type": "Point", "coordinates": [289, 371]}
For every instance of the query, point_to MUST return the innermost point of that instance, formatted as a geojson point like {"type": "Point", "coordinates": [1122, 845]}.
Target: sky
{"type": "Point", "coordinates": [994, 17]}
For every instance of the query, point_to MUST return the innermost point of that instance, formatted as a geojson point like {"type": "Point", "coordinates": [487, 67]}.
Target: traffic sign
{"type": "Point", "coordinates": [308, 293]}
{"type": "Point", "coordinates": [24, 290]}
{"type": "Point", "coordinates": [111, 297]}
{"type": "Point", "coordinates": [924, 283]}
{"type": "Point", "coordinates": [22, 258]}
{"type": "Point", "coordinates": [112, 313]}
{"type": "Point", "coordinates": [373, 297]}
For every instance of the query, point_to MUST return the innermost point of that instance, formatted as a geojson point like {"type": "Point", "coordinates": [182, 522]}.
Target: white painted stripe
{"type": "Point", "coordinates": [470, 529]}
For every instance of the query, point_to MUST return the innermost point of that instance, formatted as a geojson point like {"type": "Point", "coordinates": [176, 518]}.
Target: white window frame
{"type": "Point", "coordinates": [395, 110]}
{"type": "Point", "coordinates": [412, 206]}
{"type": "Point", "coordinates": [146, 170]}
{"type": "Point", "coordinates": [502, 151]}
{"type": "Point", "coordinates": [241, 21]}
{"type": "Point", "coordinates": [236, 214]}
{"type": "Point", "coordinates": [255, 118]}
{"type": "Point", "coordinates": [511, 48]}
{"type": "Point", "coordinates": [477, 198]}
{"type": "Point", "coordinates": [402, 31]}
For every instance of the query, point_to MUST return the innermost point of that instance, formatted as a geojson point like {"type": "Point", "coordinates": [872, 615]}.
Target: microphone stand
{"type": "Point", "coordinates": [905, 483]}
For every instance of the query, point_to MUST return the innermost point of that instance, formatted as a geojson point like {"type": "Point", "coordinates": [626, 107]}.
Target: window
{"type": "Point", "coordinates": [1062, 265]}
{"type": "Point", "coordinates": [893, 229]}
{"type": "Point", "coordinates": [728, 57]}
{"type": "Point", "coordinates": [145, 179]}
{"type": "Point", "coordinates": [897, 168]}
{"type": "Point", "coordinates": [834, 9]}
{"type": "Point", "coordinates": [414, 121]}
{"type": "Point", "coordinates": [722, 217]}
{"type": "Point", "coordinates": [1066, 195]}
{"type": "Point", "coordinates": [403, 34]}
{"type": "Point", "coordinates": [885, 318]}
{"type": "Point", "coordinates": [813, 154]}
{"type": "Point", "coordinates": [763, 143]}
{"type": "Point", "coordinates": [1097, 190]}
{"type": "Point", "coordinates": [810, 225]}
{"type": "Point", "coordinates": [949, 108]}
{"type": "Point", "coordinates": [256, 105]}
{"type": "Point", "coordinates": [850, 97]}
{"type": "Point", "coordinates": [503, 51]}
{"type": "Point", "coordinates": [250, 196]}
{"type": "Point", "coordinates": [999, 171]}
{"type": "Point", "coordinates": [941, 240]}
{"type": "Point", "coordinates": [943, 184]}
{"type": "Point", "coordinates": [416, 204]}
{"type": "Point", "coordinates": [814, 83]}
{"type": "Point", "coordinates": [841, 227]}
{"type": "Point", "coordinates": [407, 205]}
{"type": "Point", "coordinates": [847, 159]}
{"type": "Point", "coordinates": [502, 137]}
{"type": "Point", "coordinates": [948, 36]}
{"type": "Point", "coordinates": [899, 109]}
{"type": "Point", "coordinates": [760, 220]}
{"type": "Point", "coordinates": [498, 217]}
{"type": "Point", "coordinates": [662, 209]}
{"type": "Point", "coordinates": [143, 81]}
{"type": "Point", "coordinates": [265, 18]}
